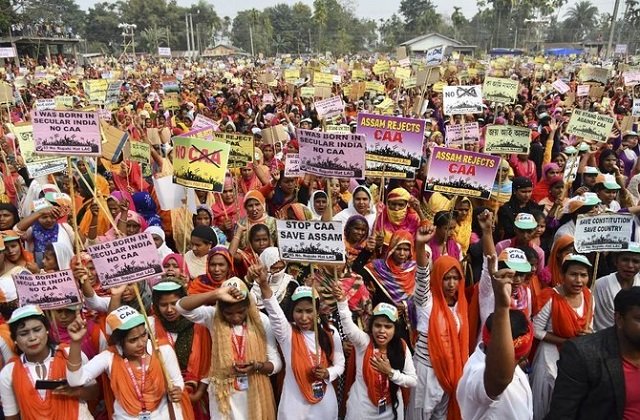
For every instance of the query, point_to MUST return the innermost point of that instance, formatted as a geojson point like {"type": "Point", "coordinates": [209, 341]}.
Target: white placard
{"type": "Point", "coordinates": [164, 51]}
{"type": "Point", "coordinates": [435, 56]}
{"type": "Point", "coordinates": [604, 232]}
{"type": "Point", "coordinates": [311, 241]}
{"type": "Point", "coordinates": [462, 99]}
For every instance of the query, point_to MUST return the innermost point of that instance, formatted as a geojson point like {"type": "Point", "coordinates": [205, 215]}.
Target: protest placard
{"type": "Point", "coordinates": [307, 92]}
{"type": "Point", "coordinates": [96, 90]}
{"type": "Point", "coordinates": [115, 141]}
{"type": "Point", "coordinates": [331, 154]}
{"type": "Point", "coordinates": [603, 232]}
{"type": "Point", "coordinates": [462, 99]}
{"type": "Point", "coordinates": [457, 134]}
{"type": "Point", "coordinates": [7, 52]}
{"type": "Point", "coordinates": [272, 135]}
{"type": "Point", "coordinates": [507, 139]}
{"type": "Point", "coordinates": [322, 79]}
{"type": "Point", "coordinates": [582, 90]}
{"type": "Point", "coordinates": [392, 140]}
{"type": "Point", "coordinates": [63, 102]}
{"type": "Point", "coordinates": [593, 74]}
{"type": "Point", "coordinates": [331, 107]}
{"type": "Point", "coordinates": [435, 56]}
{"type": "Point", "coordinates": [500, 90]}
{"type": "Point", "coordinates": [164, 51]}
{"type": "Point", "coordinates": [113, 94]}
{"type": "Point", "coordinates": [635, 111]}
{"type": "Point", "coordinates": [171, 100]}
{"type": "Point", "coordinates": [402, 73]}
{"type": "Point", "coordinates": [358, 74]}
{"type": "Point", "coordinates": [292, 165]}
{"type": "Point", "coordinates": [460, 172]}
{"type": "Point", "coordinates": [36, 165]}
{"type": "Point", "coordinates": [126, 260]}
{"type": "Point", "coordinates": [203, 122]}
{"type": "Point", "coordinates": [200, 164]}
{"type": "Point", "coordinates": [45, 104]}
{"type": "Point", "coordinates": [6, 93]}
{"type": "Point", "coordinates": [590, 125]}
{"type": "Point", "coordinates": [620, 49]}
{"type": "Point", "coordinates": [241, 153]}
{"type": "Point", "coordinates": [50, 291]}
{"type": "Point", "coordinates": [66, 133]}
{"type": "Point", "coordinates": [560, 86]}
{"type": "Point", "coordinates": [631, 77]}
{"type": "Point", "coordinates": [205, 133]}
{"type": "Point", "coordinates": [374, 86]}
{"type": "Point", "coordinates": [381, 67]}
{"type": "Point", "coordinates": [291, 75]}
{"type": "Point", "coordinates": [311, 241]}
{"type": "Point", "coordinates": [338, 128]}
{"type": "Point", "coordinates": [139, 152]}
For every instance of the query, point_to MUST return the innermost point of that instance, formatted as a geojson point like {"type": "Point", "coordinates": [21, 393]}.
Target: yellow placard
{"type": "Point", "coordinates": [291, 75]}
{"type": "Point", "coordinates": [403, 73]}
{"type": "Point", "coordinates": [380, 67]}
{"type": "Point", "coordinates": [374, 86]}
{"type": "Point", "coordinates": [307, 92]}
{"type": "Point", "coordinates": [322, 79]}
{"type": "Point", "coordinates": [171, 100]}
{"type": "Point", "coordinates": [63, 102]}
{"type": "Point", "coordinates": [358, 74]}
{"type": "Point", "coordinates": [200, 164]}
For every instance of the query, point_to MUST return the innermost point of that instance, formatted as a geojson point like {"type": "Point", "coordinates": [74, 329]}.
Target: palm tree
{"type": "Point", "coordinates": [582, 18]}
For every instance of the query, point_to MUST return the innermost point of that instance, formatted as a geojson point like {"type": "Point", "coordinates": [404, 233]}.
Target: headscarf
{"type": "Point", "coordinates": [256, 195]}
{"type": "Point", "coordinates": [25, 255]}
{"type": "Point", "coordinates": [163, 250]}
{"type": "Point", "coordinates": [462, 232]}
{"type": "Point", "coordinates": [206, 234]}
{"type": "Point", "coordinates": [278, 282]}
{"type": "Point", "coordinates": [541, 190]}
{"type": "Point", "coordinates": [146, 207]}
{"type": "Point", "coordinates": [63, 255]}
{"type": "Point", "coordinates": [353, 250]}
{"type": "Point", "coordinates": [205, 283]}
{"type": "Point", "coordinates": [135, 217]}
{"type": "Point", "coordinates": [180, 261]}
{"type": "Point", "coordinates": [555, 268]}
{"type": "Point", "coordinates": [448, 345]}
{"type": "Point", "coordinates": [397, 280]}
{"type": "Point", "coordinates": [396, 217]}
{"type": "Point", "coordinates": [345, 214]}
{"type": "Point", "coordinates": [252, 184]}
{"type": "Point", "coordinates": [312, 200]}
{"type": "Point", "coordinates": [222, 211]}
{"type": "Point", "coordinates": [118, 196]}
{"type": "Point", "coordinates": [300, 212]}
{"type": "Point", "coordinates": [206, 208]}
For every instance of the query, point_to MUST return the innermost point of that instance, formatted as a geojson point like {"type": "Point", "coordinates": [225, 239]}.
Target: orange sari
{"type": "Point", "coordinates": [565, 320]}
{"type": "Point", "coordinates": [54, 406]}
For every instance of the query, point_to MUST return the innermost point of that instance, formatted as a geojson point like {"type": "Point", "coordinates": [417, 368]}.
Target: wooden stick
{"type": "Point", "coordinates": [156, 350]}
{"type": "Point", "coordinates": [100, 205]}
{"type": "Point", "coordinates": [185, 219]}
{"type": "Point", "coordinates": [594, 274]}
{"type": "Point", "coordinates": [315, 314]}
{"type": "Point", "coordinates": [76, 242]}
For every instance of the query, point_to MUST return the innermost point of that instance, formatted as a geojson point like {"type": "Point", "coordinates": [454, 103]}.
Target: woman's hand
{"type": "Point", "coordinates": [320, 373]}
{"type": "Point", "coordinates": [371, 244]}
{"type": "Point", "coordinates": [258, 273]}
{"type": "Point", "coordinates": [425, 234]}
{"type": "Point", "coordinates": [175, 394]}
{"type": "Point", "coordinates": [229, 294]}
{"type": "Point", "coordinates": [380, 362]}
{"type": "Point", "coordinates": [485, 220]}
{"type": "Point", "coordinates": [338, 293]}
{"type": "Point", "coordinates": [124, 206]}
{"type": "Point", "coordinates": [77, 329]}
{"type": "Point", "coordinates": [94, 209]}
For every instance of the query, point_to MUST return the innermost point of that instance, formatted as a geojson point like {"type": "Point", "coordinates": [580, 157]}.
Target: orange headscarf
{"type": "Point", "coordinates": [256, 195]}
{"type": "Point", "coordinates": [303, 368]}
{"type": "Point", "coordinates": [154, 387]}
{"type": "Point", "coordinates": [448, 346]}
{"type": "Point", "coordinates": [200, 356]}
{"type": "Point", "coordinates": [555, 267]}
{"type": "Point", "coordinates": [54, 406]}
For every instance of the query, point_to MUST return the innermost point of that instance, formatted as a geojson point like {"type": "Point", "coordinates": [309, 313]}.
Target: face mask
{"type": "Point", "coordinates": [276, 277]}
{"type": "Point", "coordinates": [397, 216]}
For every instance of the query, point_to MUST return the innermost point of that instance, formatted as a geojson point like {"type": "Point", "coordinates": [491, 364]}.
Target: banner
{"type": "Point", "coordinates": [590, 125]}
{"type": "Point", "coordinates": [593, 74]}
{"type": "Point", "coordinates": [241, 152]}
{"type": "Point", "coordinates": [338, 128]}
{"type": "Point", "coordinates": [506, 139]}
{"type": "Point", "coordinates": [200, 164]}
{"type": "Point", "coordinates": [307, 92]}
{"type": "Point", "coordinates": [635, 111]}
{"type": "Point", "coordinates": [393, 143]}
{"type": "Point", "coordinates": [311, 241]}
{"type": "Point", "coordinates": [171, 100]}
{"type": "Point", "coordinates": [36, 165]}
{"type": "Point", "coordinates": [631, 77]}
{"type": "Point", "coordinates": [331, 107]}
{"type": "Point", "coordinates": [205, 133]}
{"type": "Point", "coordinates": [6, 93]}
{"type": "Point", "coordinates": [66, 133]}
{"type": "Point", "coordinates": [331, 154]}
{"type": "Point", "coordinates": [462, 99]}
{"type": "Point", "coordinates": [164, 51]}
{"type": "Point", "coordinates": [126, 260]}
{"type": "Point", "coordinates": [49, 291]}
{"type": "Point", "coordinates": [459, 172]}
{"type": "Point", "coordinates": [435, 56]}
{"type": "Point", "coordinates": [457, 134]}
{"type": "Point", "coordinates": [604, 232]}
{"type": "Point", "coordinates": [496, 89]}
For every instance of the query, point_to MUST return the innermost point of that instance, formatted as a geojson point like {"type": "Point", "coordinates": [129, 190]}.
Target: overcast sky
{"type": "Point", "coordinates": [374, 9]}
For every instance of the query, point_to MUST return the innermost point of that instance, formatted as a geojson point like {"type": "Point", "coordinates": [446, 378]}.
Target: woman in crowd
{"type": "Point", "coordinates": [254, 205]}
{"type": "Point", "coordinates": [175, 266]}
{"type": "Point", "coordinates": [243, 354]}
{"type": "Point", "coordinates": [313, 362]}
{"type": "Point", "coordinates": [356, 238]}
{"type": "Point", "coordinates": [282, 284]}
{"type": "Point", "coordinates": [444, 241]}
{"type": "Point", "coordinates": [203, 239]}
{"type": "Point", "coordinates": [44, 227]}
{"type": "Point", "coordinates": [40, 358]}
{"type": "Point", "coordinates": [140, 390]}
{"type": "Point", "coordinates": [395, 216]}
{"type": "Point", "coordinates": [259, 240]}
{"type": "Point", "coordinates": [219, 267]}
{"type": "Point", "coordinates": [541, 189]}
{"type": "Point", "coordinates": [566, 312]}
{"type": "Point", "coordinates": [361, 204]}
{"type": "Point", "coordinates": [159, 238]}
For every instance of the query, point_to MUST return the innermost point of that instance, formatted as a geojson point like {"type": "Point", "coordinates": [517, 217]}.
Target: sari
{"type": "Point", "coordinates": [205, 283]}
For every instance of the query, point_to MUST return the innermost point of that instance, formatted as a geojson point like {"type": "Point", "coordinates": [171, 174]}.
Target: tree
{"type": "Point", "coordinates": [8, 16]}
{"type": "Point", "coordinates": [260, 26]}
{"type": "Point", "coordinates": [63, 13]}
{"type": "Point", "coordinates": [101, 28]}
{"type": "Point", "coordinates": [458, 20]}
{"type": "Point", "coordinates": [582, 18]}
{"type": "Point", "coordinates": [420, 17]}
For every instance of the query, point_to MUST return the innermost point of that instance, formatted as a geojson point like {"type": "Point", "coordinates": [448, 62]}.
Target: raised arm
{"type": "Point", "coordinates": [356, 336]}
{"type": "Point", "coordinates": [279, 323]}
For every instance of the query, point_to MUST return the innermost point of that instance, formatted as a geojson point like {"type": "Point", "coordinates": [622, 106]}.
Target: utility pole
{"type": "Point", "coordinates": [613, 27]}
{"type": "Point", "coordinates": [310, 49]}
{"type": "Point", "coordinates": [251, 38]}
{"type": "Point", "coordinates": [198, 36]}
{"type": "Point", "coordinates": [186, 22]}
{"type": "Point", "coordinates": [193, 42]}
{"type": "Point", "coordinates": [168, 39]}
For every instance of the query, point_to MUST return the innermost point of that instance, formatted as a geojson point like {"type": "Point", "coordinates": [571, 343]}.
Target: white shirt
{"type": "Point", "coordinates": [606, 289]}
{"type": "Point", "coordinates": [515, 402]}
{"type": "Point", "coordinates": [9, 402]}
{"type": "Point", "coordinates": [104, 361]}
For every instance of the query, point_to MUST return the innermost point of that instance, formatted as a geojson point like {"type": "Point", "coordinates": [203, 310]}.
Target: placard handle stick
{"type": "Point", "coordinates": [156, 350]}
{"type": "Point", "coordinates": [76, 242]}
{"type": "Point", "coordinates": [185, 220]}
{"type": "Point", "coordinates": [594, 274]}
{"type": "Point", "coordinates": [100, 205]}
{"type": "Point", "coordinates": [315, 314]}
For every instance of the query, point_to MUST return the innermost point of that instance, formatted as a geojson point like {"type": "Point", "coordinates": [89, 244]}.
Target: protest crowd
{"type": "Point", "coordinates": [384, 237]}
